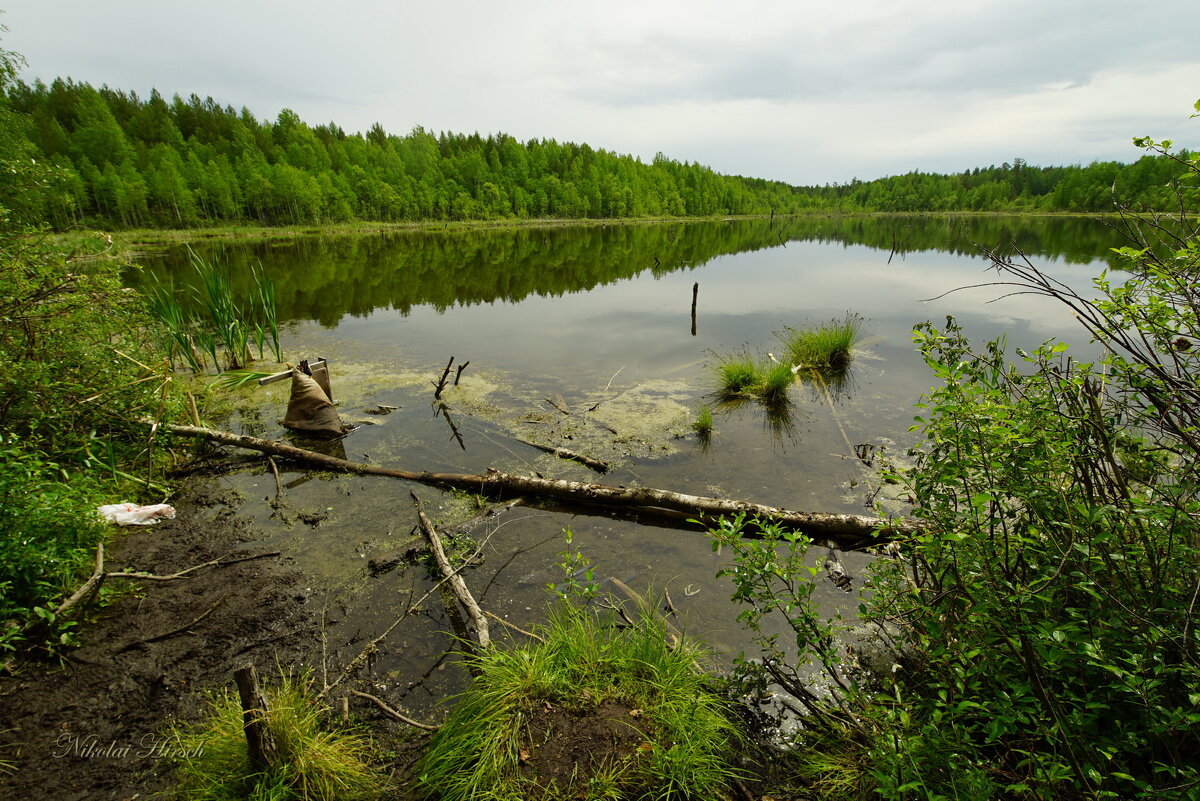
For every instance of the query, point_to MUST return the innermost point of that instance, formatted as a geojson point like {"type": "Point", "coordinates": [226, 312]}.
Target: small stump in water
{"type": "Point", "coordinates": [592, 712]}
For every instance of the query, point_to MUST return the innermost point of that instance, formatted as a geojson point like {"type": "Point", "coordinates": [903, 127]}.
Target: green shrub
{"type": "Point", "coordinates": [678, 739]}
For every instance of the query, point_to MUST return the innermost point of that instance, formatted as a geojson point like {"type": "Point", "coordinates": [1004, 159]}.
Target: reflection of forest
{"type": "Point", "coordinates": [324, 278]}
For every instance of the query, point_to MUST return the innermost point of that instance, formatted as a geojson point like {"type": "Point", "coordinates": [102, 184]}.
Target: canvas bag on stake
{"type": "Point", "coordinates": [309, 409]}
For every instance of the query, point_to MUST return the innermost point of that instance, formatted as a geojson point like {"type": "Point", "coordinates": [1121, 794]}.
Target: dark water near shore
{"type": "Point", "coordinates": [603, 317]}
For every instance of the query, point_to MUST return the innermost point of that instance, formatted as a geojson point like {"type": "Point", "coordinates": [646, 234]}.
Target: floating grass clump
{"type": "Point", "coordinates": [741, 376]}
{"type": "Point", "coordinates": [703, 424]}
{"type": "Point", "coordinates": [777, 379]}
{"type": "Point", "coordinates": [738, 374]}
{"type": "Point", "coordinates": [825, 346]}
{"type": "Point", "coordinates": [592, 712]}
{"type": "Point", "coordinates": [212, 762]}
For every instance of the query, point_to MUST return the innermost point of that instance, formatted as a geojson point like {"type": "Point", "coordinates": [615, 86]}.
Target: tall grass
{"type": "Point", "coordinates": [827, 345]}
{"type": "Point", "coordinates": [212, 763]}
{"type": "Point", "coordinates": [582, 663]}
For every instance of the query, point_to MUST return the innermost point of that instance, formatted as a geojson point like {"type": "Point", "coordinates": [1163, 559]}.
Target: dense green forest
{"type": "Point", "coordinates": [125, 162]}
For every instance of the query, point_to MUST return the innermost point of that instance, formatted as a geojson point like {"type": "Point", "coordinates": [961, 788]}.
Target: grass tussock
{"type": "Point", "coordinates": [212, 763]}
{"type": "Point", "coordinates": [828, 345]}
{"type": "Point", "coordinates": [741, 376]}
{"type": "Point", "coordinates": [497, 742]}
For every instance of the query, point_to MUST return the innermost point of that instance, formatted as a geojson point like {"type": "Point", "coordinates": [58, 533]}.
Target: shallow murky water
{"type": "Point", "coordinates": [600, 321]}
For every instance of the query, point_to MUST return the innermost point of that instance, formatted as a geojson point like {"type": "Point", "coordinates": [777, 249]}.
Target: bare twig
{"type": "Point", "coordinates": [185, 573]}
{"type": "Point", "coordinates": [513, 626]}
{"type": "Point", "coordinates": [441, 382]}
{"type": "Point", "coordinates": [562, 453]}
{"type": "Point", "coordinates": [393, 713]}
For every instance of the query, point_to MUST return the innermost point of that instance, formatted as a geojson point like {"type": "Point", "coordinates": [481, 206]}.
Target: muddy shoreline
{"type": "Point", "coordinates": [91, 726]}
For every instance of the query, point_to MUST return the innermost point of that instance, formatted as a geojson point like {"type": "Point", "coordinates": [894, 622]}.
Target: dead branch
{"type": "Point", "coordinates": [389, 560]}
{"type": "Point", "coordinates": [559, 403]}
{"type": "Point", "coordinates": [459, 369]}
{"type": "Point", "coordinates": [390, 712]}
{"type": "Point", "coordinates": [441, 382]}
{"type": "Point", "coordinates": [373, 646]}
{"type": "Point", "coordinates": [563, 453]}
{"type": "Point", "coordinates": [256, 717]}
{"type": "Point", "coordinates": [186, 572]}
{"type": "Point", "coordinates": [850, 531]}
{"type": "Point", "coordinates": [455, 580]}
{"type": "Point", "coordinates": [166, 635]}
{"type": "Point", "coordinates": [85, 591]}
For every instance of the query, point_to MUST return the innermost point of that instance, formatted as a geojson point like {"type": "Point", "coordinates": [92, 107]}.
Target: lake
{"type": "Point", "coordinates": [586, 337]}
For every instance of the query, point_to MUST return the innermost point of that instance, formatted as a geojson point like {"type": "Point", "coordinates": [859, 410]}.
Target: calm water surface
{"type": "Point", "coordinates": [603, 315]}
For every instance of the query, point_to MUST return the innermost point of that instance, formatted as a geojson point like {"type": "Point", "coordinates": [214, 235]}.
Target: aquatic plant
{"type": "Point", "coordinates": [214, 318]}
{"type": "Point", "coordinates": [667, 733]}
{"type": "Point", "coordinates": [212, 762]}
{"type": "Point", "coordinates": [703, 424]}
{"type": "Point", "coordinates": [738, 373]}
{"type": "Point", "coordinates": [775, 382]}
{"type": "Point", "coordinates": [825, 346]}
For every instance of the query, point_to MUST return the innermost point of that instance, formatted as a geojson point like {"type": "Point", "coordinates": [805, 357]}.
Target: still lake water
{"type": "Point", "coordinates": [602, 316]}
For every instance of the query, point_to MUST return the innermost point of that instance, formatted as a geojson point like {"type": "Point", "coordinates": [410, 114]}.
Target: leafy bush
{"type": "Point", "coordinates": [73, 390]}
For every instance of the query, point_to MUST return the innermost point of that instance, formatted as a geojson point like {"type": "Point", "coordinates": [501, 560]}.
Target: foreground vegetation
{"type": "Point", "coordinates": [313, 763]}
{"type": "Point", "coordinates": [1039, 640]}
{"type": "Point", "coordinates": [639, 708]}
{"type": "Point", "coordinates": [73, 389]}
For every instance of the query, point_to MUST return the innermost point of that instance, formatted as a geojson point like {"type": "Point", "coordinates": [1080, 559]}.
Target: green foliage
{"type": "Point", "coordinates": [1045, 618]}
{"type": "Point", "coordinates": [581, 665]}
{"type": "Point", "coordinates": [738, 375]}
{"type": "Point", "coordinates": [315, 763]}
{"type": "Point", "coordinates": [703, 424]}
{"type": "Point", "coordinates": [149, 163]}
{"type": "Point", "coordinates": [72, 393]}
{"type": "Point", "coordinates": [578, 573]}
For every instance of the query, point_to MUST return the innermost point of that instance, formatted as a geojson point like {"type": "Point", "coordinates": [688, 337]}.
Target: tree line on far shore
{"type": "Point", "coordinates": [125, 162]}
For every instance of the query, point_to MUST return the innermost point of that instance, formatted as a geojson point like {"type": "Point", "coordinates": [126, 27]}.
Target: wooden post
{"type": "Point", "coordinates": [695, 294]}
{"type": "Point", "coordinates": [260, 743]}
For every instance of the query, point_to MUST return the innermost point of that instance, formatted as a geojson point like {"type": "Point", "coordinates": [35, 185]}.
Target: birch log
{"type": "Point", "coordinates": [848, 530]}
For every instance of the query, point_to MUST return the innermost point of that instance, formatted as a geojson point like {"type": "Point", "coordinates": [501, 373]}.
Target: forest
{"type": "Point", "coordinates": [121, 162]}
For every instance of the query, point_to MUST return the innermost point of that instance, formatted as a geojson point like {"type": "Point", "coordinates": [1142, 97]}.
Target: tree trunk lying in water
{"type": "Point", "coordinates": [850, 531]}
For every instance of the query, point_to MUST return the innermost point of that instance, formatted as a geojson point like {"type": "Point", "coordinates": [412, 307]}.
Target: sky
{"type": "Point", "coordinates": [803, 91]}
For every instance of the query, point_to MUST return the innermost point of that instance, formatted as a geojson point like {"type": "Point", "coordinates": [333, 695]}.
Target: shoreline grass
{"type": "Point", "coordinates": [212, 762]}
{"type": "Point", "coordinates": [677, 736]}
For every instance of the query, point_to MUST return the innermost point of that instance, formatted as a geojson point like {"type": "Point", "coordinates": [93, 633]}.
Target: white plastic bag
{"type": "Point", "coordinates": [130, 514]}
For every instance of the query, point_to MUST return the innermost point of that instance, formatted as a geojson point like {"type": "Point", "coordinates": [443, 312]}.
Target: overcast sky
{"type": "Point", "coordinates": [801, 91]}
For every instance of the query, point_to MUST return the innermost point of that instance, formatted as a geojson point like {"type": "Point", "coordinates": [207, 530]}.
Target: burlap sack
{"type": "Point", "coordinates": [310, 410]}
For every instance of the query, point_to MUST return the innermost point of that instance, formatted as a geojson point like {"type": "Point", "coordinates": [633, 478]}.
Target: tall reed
{"type": "Point", "coordinates": [210, 320]}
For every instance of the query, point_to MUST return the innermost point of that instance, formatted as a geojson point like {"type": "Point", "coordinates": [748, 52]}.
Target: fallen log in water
{"type": "Point", "coordinates": [849, 531]}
